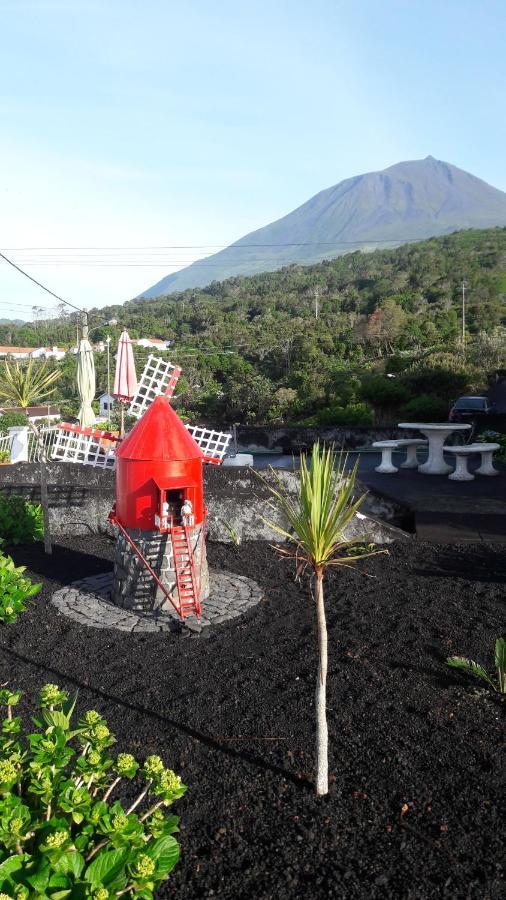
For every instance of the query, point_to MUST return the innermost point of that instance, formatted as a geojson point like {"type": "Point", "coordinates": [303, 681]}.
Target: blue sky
{"type": "Point", "coordinates": [148, 124]}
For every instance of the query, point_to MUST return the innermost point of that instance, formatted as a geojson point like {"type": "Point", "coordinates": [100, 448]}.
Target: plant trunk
{"type": "Point", "coordinates": [44, 499]}
{"type": "Point", "coordinates": [322, 738]}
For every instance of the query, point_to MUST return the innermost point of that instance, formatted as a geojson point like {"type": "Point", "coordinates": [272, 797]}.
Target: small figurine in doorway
{"type": "Point", "coordinates": [187, 512]}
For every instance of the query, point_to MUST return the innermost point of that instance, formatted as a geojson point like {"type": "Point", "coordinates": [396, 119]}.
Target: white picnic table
{"type": "Point", "coordinates": [436, 435]}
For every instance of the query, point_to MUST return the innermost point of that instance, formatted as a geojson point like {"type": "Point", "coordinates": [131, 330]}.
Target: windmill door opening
{"type": "Point", "coordinates": [175, 507]}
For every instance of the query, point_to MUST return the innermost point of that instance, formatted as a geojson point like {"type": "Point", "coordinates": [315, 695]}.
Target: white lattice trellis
{"type": "Point", "coordinates": [86, 446]}
{"type": "Point", "coordinates": [212, 443]}
{"type": "Point", "coordinates": [158, 377]}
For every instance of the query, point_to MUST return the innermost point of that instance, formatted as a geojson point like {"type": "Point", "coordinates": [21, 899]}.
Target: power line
{"type": "Point", "coordinates": [234, 246]}
{"type": "Point", "coordinates": [38, 283]}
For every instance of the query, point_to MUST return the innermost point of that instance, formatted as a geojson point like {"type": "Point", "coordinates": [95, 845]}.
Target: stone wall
{"type": "Point", "coordinates": [238, 501]}
{"type": "Point", "coordinates": [294, 439]}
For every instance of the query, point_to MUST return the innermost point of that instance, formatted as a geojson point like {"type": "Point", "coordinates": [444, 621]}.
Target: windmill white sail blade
{"type": "Point", "coordinates": [158, 377]}
{"type": "Point", "coordinates": [85, 446]}
{"type": "Point", "coordinates": [212, 443]}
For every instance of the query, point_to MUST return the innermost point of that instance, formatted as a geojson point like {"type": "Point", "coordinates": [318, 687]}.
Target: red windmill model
{"type": "Point", "coordinates": [161, 516]}
{"type": "Point", "coordinates": [160, 559]}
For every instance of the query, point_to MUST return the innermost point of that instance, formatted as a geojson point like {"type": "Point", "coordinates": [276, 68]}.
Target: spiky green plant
{"type": "Point", "coordinates": [474, 668]}
{"type": "Point", "coordinates": [317, 517]}
{"type": "Point", "coordinates": [26, 386]}
{"type": "Point", "coordinates": [233, 534]}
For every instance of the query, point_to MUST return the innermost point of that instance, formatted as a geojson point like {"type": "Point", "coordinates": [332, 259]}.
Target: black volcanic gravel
{"type": "Point", "coordinates": [413, 810]}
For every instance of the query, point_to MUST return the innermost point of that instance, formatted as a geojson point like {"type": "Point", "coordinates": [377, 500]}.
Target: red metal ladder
{"type": "Point", "coordinates": [184, 567]}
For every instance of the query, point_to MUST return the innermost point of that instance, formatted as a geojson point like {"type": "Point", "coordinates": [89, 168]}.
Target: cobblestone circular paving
{"type": "Point", "coordinates": [88, 602]}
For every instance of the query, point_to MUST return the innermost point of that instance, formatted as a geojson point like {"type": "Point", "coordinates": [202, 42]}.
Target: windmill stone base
{"type": "Point", "coordinates": [133, 586]}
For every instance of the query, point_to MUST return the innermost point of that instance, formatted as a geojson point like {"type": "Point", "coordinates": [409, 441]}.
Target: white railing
{"type": "Point", "coordinates": [5, 443]}
{"type": "Point", "coordinates": [47, 436]}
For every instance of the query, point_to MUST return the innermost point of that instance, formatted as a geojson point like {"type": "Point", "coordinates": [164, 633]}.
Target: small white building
{"type": "Point", "coordinates": [153, 343]}
{"type": "Point", "coordinates": [106, 402]}
{"type": "Point", "coordinates": [17, 352]}
{"type": "Point", "coordinates": [46, 414]}
{"type": "Point", "coordinates": [49, 353]}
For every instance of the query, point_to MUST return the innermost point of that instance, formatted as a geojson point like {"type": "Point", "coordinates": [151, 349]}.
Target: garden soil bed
{"type": "Point", "coordinates": [413, 809]}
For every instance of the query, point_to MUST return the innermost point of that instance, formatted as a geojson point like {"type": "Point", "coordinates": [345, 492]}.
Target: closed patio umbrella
{"type": "Point", "coordinates": [125, 378]}
{"type": "Point", "coordinates": [86, 382]}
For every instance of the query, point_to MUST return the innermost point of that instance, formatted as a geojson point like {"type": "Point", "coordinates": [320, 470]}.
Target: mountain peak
{"type": "Point", "coordinates": [405, 202]}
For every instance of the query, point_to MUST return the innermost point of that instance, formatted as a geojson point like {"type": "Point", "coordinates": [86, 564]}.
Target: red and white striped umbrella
{"type": "Point", "coordinates": [125, 379]}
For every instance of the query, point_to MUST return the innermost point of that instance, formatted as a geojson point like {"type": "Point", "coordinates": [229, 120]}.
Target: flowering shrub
{"type": "Point", "coordinates": [61, 834]}
{"type": "Point", "coordinates": [21, 522]}
{"type": "Point", "coordinates": [15, 590]}
{"type": "Point", "coordinates": [494, 437]}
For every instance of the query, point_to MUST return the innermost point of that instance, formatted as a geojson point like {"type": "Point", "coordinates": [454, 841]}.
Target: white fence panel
{"type": "Point", "coordinates": [47, 437]}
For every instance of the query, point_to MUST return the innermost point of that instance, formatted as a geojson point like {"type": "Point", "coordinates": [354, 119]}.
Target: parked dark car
{"type": "Point", "coordinates": [465, 409]}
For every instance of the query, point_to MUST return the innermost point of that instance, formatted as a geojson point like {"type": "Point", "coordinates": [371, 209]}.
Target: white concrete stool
{"type": "Point", "coordinates": [411, 445]}
{"type": "Point", "coordinates": [461, 454]}
{"type": "Point", "coordinates": [386, 466]}
{"type": "Point", "coordinates": [487, 457]}
{"type": "Point", "coordinates": [461, 472]}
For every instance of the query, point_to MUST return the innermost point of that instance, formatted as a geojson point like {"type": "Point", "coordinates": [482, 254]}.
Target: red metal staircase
{"type": "Point", "coordinates": [184, 567]}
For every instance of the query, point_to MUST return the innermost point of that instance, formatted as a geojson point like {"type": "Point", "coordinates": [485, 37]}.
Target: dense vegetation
{"type": "Point", "coordinates": [252, 349]}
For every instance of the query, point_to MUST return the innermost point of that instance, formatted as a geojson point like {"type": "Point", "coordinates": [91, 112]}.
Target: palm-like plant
{"type": "Point", "coordinates": [317, 517]}
{"type": "Point", "coordinates": [474, 668]}
{"type": "Point", "coordinates": [25, 386]}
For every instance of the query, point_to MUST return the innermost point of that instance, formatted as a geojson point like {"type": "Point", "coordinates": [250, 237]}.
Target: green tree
{"type": "Point", "coordinates": [316, 525]}
{"type": "Point", "coordinates": [25, 386]}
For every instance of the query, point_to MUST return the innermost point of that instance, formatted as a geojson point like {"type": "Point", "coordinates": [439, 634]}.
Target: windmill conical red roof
{"type": "Point", "coordinates": [159, 434]}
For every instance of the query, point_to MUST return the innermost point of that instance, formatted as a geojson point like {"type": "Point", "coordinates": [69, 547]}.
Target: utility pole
{"type": "Point", "coordinates": [316, 305]}
{"type": "Point", "coordinates": [463, 317]}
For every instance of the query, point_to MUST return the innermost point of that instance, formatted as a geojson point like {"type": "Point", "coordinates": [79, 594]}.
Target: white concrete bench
{"type": "Point", "coordinates": [462, 455]}
{"type": "Point", "coordinates": [411, 446]}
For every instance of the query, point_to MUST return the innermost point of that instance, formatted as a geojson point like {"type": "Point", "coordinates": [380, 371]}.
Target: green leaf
{"type": "Point", "coordinates": [500, 654]}
{"type": "Point", "coordinates": [58, 881]}
{"type": "Point", "coordinates": [106, 866]}
{"type": "Point", "coordinates": [40, 878]}
{"type": "Point", "coordinates": [470, 666]}
{"type": "Point", "coordinates": [10, 865]}
{"type": "Point", "coordinates": [56, 719]}
{"type": "Point", "coordinates": [166, 852]}
{"type": "Point", "coordinates": [71, 862]}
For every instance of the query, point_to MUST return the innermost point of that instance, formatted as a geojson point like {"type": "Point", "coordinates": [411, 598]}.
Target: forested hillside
{"type": "Point", "coordinates": [253, 350]}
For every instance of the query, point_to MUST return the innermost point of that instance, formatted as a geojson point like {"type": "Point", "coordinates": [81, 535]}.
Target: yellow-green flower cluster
{"type": "Point", "coordinates": [169, 781]}
{"type": "Point", "coordinates": [16, 825]}
{"type": "Point", "coordinates": [101, 894]}
{"type": "Point", "coordinates": [153, 767]}
{"type": "Point", "coordinates": [56, 840]}
{"type": "Point", "coordinates": [92, 717]}
{"type": "Point", "coordinates": [51, 694]}
{"type": "Point", "coordinates": [119, 822]}
{"type": "Point", "coordinates": [7, 771]}
{"type": "Point", "coordinates": [144, 867]}
{"type": "Point", "coordinates": [126, 765]}
{"type": "Point", "coordinates": [100, 732]}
